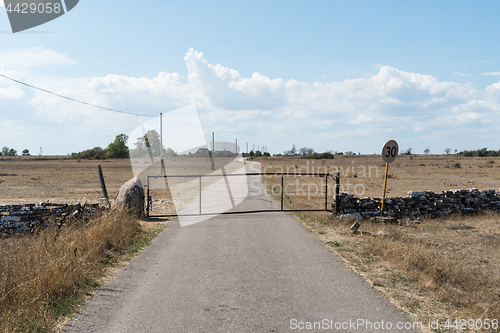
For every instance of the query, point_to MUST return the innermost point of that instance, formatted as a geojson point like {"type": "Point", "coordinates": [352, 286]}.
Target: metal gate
{"type": "Point", "coordinates": [282, 208]}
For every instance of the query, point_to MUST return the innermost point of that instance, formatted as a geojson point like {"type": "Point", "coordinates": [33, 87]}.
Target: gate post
{"type": "Point", "coordinates": [337, 193]}
{"type": "Point", "coordinates": [326, 191]}
{"type": "Point", "coordinates": [147, 199]}
{"type": "Point", "coordinates": [282, 190]}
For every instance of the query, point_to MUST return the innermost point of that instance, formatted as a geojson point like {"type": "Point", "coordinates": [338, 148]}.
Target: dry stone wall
{"type": "Point", "coordinates": [423, 204]}
{"type": "Point", "coordinates": [28, 217]}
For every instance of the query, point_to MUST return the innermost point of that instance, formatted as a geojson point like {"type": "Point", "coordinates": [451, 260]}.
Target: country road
{"type": "Point", "coordinates": [261, 272]}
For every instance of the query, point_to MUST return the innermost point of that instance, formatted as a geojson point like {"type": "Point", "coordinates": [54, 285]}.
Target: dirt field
{"type": "Point", "coordinates": [407, 173]}
{"type": "Point", "coordinates": [29, 180]}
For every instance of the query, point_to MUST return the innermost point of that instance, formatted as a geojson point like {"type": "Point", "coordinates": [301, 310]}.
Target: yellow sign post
{"type": "Point", "coordinates": [385, 187]}
{"type": "Point", "coordinates": [389, 154]}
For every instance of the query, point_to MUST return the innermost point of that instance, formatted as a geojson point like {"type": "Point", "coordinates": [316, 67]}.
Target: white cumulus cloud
{"type": "Point", "coordinates": [355, 114]}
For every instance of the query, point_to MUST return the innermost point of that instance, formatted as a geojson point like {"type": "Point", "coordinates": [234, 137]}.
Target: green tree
{"type": "Point", "coordinates": [118, 148]}
{"type": "Point", "coordinates": [151, 142]}
{"type": "Point", "coordinates": [170, 153]}
{"type": "Point", "coordinates": [5, 151]}
{"type": "Point", "coordinates": [26, 152]}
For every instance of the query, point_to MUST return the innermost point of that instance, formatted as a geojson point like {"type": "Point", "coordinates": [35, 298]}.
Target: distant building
{"type": "Point", "coordinates": [201, 150]}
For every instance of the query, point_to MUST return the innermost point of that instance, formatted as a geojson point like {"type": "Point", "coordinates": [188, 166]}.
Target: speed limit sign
{"type": "Point", "coordinates": [390, 151]}
{"type": "Point", "coordinates": [389, 154]}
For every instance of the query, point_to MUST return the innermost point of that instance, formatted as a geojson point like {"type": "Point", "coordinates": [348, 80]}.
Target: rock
{"type": "Point", "coordinates": [353, 215]}
{"type": "Point", "coordinates": [131, 197]}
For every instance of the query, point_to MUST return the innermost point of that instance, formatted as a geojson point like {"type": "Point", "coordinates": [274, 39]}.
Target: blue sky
{"type": "Point", "coordinates": [331, 75]}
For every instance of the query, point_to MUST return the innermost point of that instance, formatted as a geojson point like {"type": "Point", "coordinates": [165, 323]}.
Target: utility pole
{"type": "Point", "coordinates": [247, 147]}
{"type": "Point", "coordinates": [236, 146]}
{"type": "Point", "coordinates": [161, 144]}
{"type": "Point", "coordinates": [213, 151]}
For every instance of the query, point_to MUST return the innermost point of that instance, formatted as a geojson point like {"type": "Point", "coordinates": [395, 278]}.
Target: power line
{"type": "Point", "coordinates": [74, 100]}
{"type": "Point", "coordinates": [222, 140]}
{"type": "Point", "coordinates": [93, 105]}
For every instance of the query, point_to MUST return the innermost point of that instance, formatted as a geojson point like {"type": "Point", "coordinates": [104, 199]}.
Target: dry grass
{"type": "Point", "coordinates": [42, 274]}
{"type": "Point", "coordinates": [437, 269]}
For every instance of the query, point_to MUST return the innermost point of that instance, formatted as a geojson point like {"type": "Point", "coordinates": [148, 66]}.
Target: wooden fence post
{"type": "Point", "coordinates": [103, 185]}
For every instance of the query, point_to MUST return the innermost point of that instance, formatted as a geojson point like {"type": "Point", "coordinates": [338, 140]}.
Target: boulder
{"type": "Point", "coordinates": [131, 197]}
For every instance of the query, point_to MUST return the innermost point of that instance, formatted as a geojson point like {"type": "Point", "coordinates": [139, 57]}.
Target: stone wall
{"type": "Point", "coordinates": [26, 218]}
{"type": "Point", "coordinates": [423, 204]}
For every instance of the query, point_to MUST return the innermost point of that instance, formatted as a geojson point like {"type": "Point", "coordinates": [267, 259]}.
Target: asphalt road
{"type": "Point", "coordinates": [261, 272]}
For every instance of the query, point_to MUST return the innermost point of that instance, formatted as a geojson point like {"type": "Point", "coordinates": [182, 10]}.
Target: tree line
{"type": "Point", "coordinates": [116, 149]}
{"type": "Point", "coordinates": [148, 144]}
{"type": "Point", "coordinates": [6, 151]}
{"type": "Point", "coordinates": [483, 152]}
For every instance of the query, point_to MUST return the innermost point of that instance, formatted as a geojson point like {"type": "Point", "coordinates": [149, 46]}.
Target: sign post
{"type": "Point", "coordinates": [389, 154]}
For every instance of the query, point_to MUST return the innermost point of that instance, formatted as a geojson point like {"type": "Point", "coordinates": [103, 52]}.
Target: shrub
{"type": "Point", "coordinates": [321, 156]}
{"type": "Point", "coordinates": [483, 152]}
{"type": "Point", "coordinates": [96, 153]}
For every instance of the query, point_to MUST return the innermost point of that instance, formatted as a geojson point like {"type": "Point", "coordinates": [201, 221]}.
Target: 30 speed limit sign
{"type": "Point", "coordinates": [389, 154]}
{"type": "Point", "coordinates": [390, 151]}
